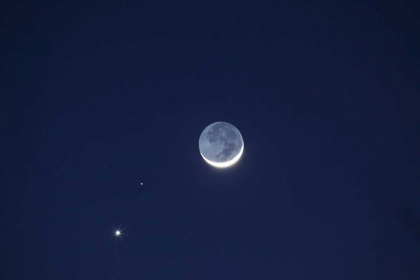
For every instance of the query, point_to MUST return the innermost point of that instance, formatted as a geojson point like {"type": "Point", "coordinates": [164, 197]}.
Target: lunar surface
{"type": "Point", "coordinates": [221, 144]}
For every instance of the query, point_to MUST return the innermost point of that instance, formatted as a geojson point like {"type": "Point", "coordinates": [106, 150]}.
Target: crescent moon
{"type": "Point", "coordinates": [227, 163]}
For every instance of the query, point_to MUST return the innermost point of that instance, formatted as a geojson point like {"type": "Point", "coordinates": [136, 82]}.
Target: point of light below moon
{"type": "Point", "coordinates": [227, 163]}
{"type": "Point", "coordinates": [117, 233]}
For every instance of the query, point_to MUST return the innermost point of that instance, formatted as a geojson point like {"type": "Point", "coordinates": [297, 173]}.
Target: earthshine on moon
{"type": "Point", "coordinates": [221, 144]}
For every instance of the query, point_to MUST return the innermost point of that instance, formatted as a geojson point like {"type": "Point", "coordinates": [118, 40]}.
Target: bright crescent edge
{"type": "Point", "coordinates": [228, 163]}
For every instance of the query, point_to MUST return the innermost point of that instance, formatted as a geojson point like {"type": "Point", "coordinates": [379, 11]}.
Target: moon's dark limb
{"type": "Point", "coordinates": [220, 142]}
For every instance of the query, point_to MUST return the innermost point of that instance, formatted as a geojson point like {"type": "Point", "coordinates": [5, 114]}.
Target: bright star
{"type": "Point", "coordinates": [118, 233]}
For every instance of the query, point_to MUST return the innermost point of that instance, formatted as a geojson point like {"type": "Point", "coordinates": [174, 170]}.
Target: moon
{"type": "Point", "coordinates": [221, 144]}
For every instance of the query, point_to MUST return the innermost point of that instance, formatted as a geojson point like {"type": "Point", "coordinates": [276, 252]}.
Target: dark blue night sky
{"type": "Point", "coordinates": [98, 97]}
